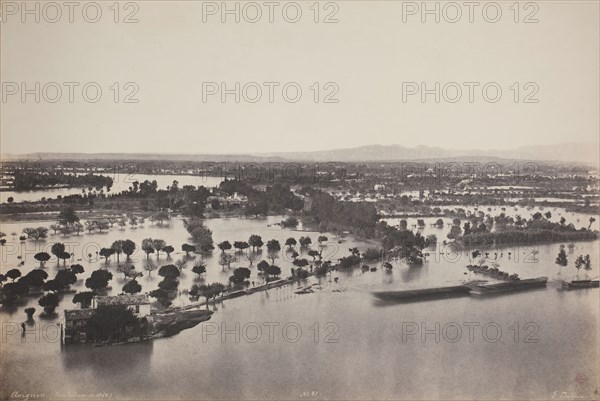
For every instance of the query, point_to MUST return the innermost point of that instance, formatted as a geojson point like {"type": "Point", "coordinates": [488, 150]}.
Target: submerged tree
{"type": "Point", "coordinates": [188, 248]}
{"type": "Point", "coordinates": [30, 312]}
{"type": "Point", "coordinates": [148, 246]}
{"type": "Point", "coordinates": [98, 280]}
{"type": "Point", "coordinates": [199, 268]}
{"type": "Point", "coordinates": [84, 298]}
{"type": "Point", "coordinates": [128, 247]}
{"type": "Point", "coordinates": [49, 302]}
{"type": "Point", "coordinates": [117, 247]}
{"type": "Point", "coordinates": [255, 241]}
{"type": "Point", "coordinates": [561, 260]}
{"type": "Point", "coordinates": [42, 257]}
{"type": "Point", "coordinates": [132, 287]}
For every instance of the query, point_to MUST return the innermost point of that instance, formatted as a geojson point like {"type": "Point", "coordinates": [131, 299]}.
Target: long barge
{"type": "Point", "coordinates": [516, 285]}
{"type": "Point", "coordinates": [579, 284]}
{"type": "Point", "coordinates": [408, 295]}
{"type": "Point", "coordinates": [474, 287]}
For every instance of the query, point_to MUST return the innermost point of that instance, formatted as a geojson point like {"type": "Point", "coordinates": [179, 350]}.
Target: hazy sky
{"type": "Point", "coordinates": [369, 55]}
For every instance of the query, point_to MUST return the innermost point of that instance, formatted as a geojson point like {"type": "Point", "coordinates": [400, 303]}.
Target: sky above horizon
{"type": "Point", "coordinates": [372, 61]}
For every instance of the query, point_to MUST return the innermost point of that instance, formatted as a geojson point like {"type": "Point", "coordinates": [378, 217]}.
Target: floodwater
{"type": "Point", "coordinates": [577, 219]}
{"type": "Point", "coordinates": [335, 343]}
{"type": "Point", "coordinates": [121, 182]}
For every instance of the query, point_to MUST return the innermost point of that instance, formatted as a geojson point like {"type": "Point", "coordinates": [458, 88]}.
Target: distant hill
{"type": "Point", "coordinates": [142, 156]}
{"type": "Point", "coordinates": [587, 153]}
{"type": "Point", "coordinates": [567, 152]}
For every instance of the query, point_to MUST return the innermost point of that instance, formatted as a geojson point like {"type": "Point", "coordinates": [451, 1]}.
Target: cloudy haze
{"type": "Point", "coordinates": [368, 54]}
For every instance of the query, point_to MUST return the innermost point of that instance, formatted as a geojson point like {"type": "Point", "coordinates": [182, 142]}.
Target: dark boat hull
{"type": "Point", "coordinates": [424, 293]}
{"type": "Point", "coordinates": [578, 284]}
{"type": "Point", "coordinates": [508, 286]}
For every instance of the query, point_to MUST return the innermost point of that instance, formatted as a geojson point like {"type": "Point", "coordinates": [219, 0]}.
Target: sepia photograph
{"type": "Point", "coordinates": [299, 200]}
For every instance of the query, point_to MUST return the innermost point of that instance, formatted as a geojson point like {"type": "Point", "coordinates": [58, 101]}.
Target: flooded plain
{"type": "Point", "coordinates": [337, 343]}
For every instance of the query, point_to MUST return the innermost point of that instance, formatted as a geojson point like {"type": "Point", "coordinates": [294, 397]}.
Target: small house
{"type": "Point", "coordinates": [76, 320]}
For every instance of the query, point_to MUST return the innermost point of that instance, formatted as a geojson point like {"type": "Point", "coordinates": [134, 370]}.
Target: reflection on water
{"type": "Point", "coordinates": [108, 361]}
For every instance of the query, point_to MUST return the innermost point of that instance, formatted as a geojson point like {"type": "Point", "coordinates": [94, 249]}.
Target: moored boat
{"type": "Point", "coordinates": [577, 284]}
{"type": "Point", "coordinates": [407, 295]}
{"type": "Point", "coordinates": [507, 286]}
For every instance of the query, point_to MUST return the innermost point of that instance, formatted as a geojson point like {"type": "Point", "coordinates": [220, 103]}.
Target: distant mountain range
{"type": "Point", "coordinates": [142, 156]}
{"type": "Point", "coordinates": [588, 153]}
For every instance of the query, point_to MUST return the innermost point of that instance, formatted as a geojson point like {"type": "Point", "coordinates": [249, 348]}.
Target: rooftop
{"type": "Point", "coordinates": [78, 314]}
{"type": "Point", "coordinates": [121, 300]}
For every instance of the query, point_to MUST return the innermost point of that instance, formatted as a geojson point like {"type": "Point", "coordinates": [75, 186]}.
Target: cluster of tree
{"type": "Point", "coordinates": [581, 261]}
{"type": "Point", "coordinates": [27, 180]}
{"type": "Point", "coordinates": [276, 198]}
{"type": "Point", "coordinates": [404, 244]}
{"type": "Point", "coordinates": [270, 272]}
{"type": "Point", "coordinates": [372, 254]}
{"type": "Point", "coordinates": [526, 236]}
{"type": "Point", "coordinates": [67, 219]}
{"type": "Point", "coordinates": [59, 250]}
{"type": "Point", "coordinates": [64, 279]}
{"type": "Point", "coordinates": [160, 217]}
{"type": "Point", "coordinates": [351, 260]}
{"type": "Point", "coordinates": [455, 230]}
{"type": "Point", "coordinates": [132, 287]}
{"type": "Point", "coordinates": [256, 242]}
{"type": "Point", "coordinates": [35, 233]}
{"type": "Point", "coordinates": [99, 224]}
{"type": "Point", "coordinates": [189, 199]}
{"type": "Point", "coordinates": [11, 292]}
{"type": "Point", "coordinates": [323, 269]}
{"type": "Point", "coordinates": [129, 271]}
{"type": "Point", "coordinates": [150, 245]}
{"type": "Point", "coordinates": [331, 214]}
{"type": "Point", "coordinates": [290, 222]}
{"type": "Point", "coordinates": [35, 280]}
{"type": "Point", "coordinates": [300, 273]}
{"type": "Point", "coordinates": [118, 247]}
{"type": "Point", "coordinates": [208, 291]}
{"type": "Point", "coordinates": [167, 288]}
{"type": "Point", "coordinates": [240, 275]}
{"type": "Point", "coordinates": [201, 235]}
{"type": "Point", "coordinates": [481, 223]}
{"type": "Point", "coordinates": [98, 280]}
{"type": "Point", "coordinates": [304, 242]}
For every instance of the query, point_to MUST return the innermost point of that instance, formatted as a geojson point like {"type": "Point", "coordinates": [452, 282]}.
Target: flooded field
{"type": "Point", "coordinates": [121, 182]}
{"type": "Point", "coordinates": [342, 328]}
